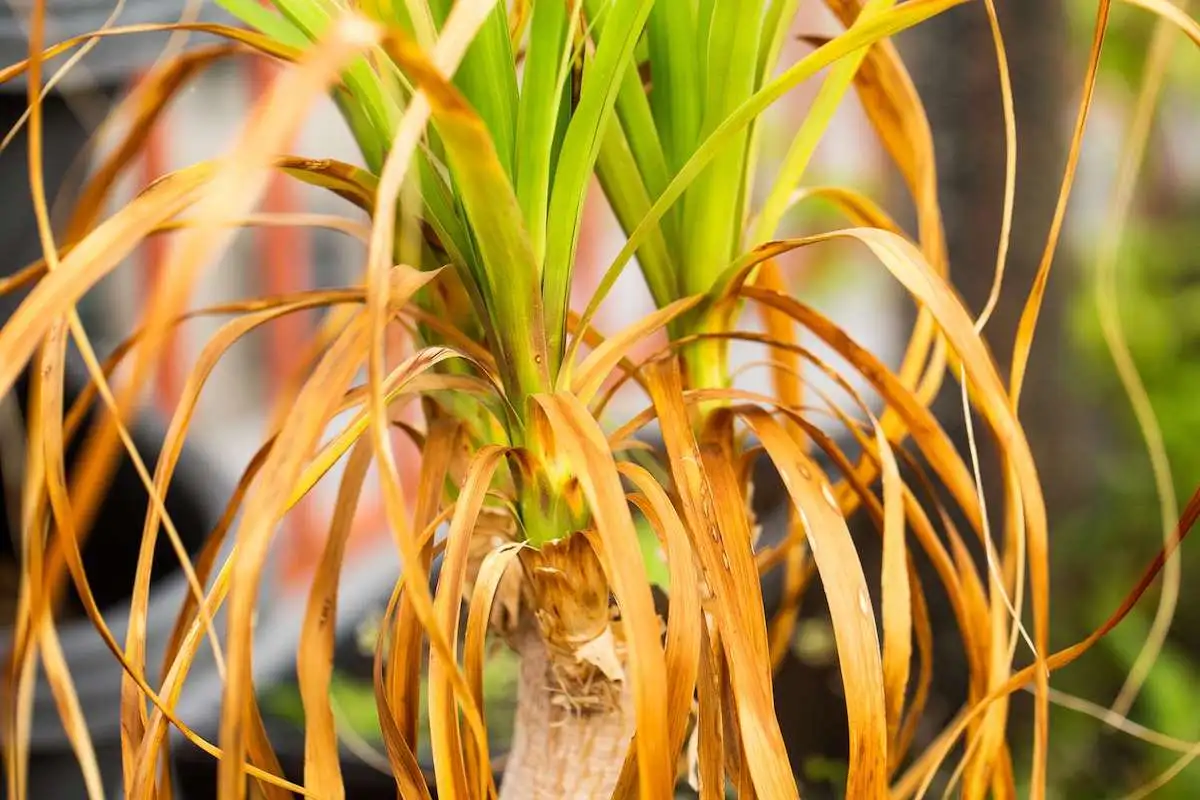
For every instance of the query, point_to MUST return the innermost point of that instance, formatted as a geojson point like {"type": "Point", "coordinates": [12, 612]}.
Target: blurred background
{"type": "Point", "coordinates": [1106, 523]}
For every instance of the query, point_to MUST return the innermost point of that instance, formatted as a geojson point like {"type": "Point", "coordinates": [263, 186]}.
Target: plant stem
{"type": "Point", "coordinates": [706, 362]}
{"type": "Point", "coordinates": [546, 518]}
{"type": "Point", "coordinates": [559, 751]}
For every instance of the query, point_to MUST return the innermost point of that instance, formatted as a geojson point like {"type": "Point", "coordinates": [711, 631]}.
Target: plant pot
{"type": "Point", "coordinates": [194, 501]}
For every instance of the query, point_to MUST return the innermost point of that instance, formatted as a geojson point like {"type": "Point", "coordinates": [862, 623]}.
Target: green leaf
{"type": "Point", "coordinates": [374, 122]}
{"type": "Point", "coordinates": [713, 213]}
{"type": "Point", "coordinates": [675, 61]}
{"type": "Point", "coordinates": [581, 148]}
{"type": "Point", "coordinates": [362, 128]}
{"type": "Point", "coordinates": [627, 195]}
{"type": "Point", "coordinates": [488, 79]}
{"type": "Point", "coordinates": [259, 17]}
{"type": "Point", "coordinates": [635, 115]}
{"type": "Point", "coordinates": [776, 25]}
{"type": "Point", "coordinates": [887, 24]}
{"type": "Point", "coordinates": [641, 133]}
{"type": "Point", "coordinates": [501, 254]}
{"type": "Point", "coordinates": [816, 122]}
{"type": "Point", "coordinates": [632, 167]}
{"type": "Point", "coordinates": [538, 116]}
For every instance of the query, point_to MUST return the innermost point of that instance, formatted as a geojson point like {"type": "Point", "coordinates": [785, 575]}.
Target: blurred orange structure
{"type": "Point", "coordinates": [281, 263]}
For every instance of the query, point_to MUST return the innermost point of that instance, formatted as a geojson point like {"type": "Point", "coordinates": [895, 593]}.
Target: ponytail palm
{"type": "Point", "coordinates": [481, 126]}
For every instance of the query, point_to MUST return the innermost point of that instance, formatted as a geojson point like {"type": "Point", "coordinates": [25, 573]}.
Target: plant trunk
{"type": "Point", "coordinates": [575, 716]}
{"type": "Point", "coordinates": [564, 746]}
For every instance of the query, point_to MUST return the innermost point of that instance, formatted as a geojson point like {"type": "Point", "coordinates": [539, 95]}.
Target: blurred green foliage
{"type": "Point", "coordinates": [1104, 546]}
{"type": "Point", "coordinates": [355, 707]}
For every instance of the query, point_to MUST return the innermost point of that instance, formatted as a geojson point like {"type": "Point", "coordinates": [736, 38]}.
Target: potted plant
{"type": "Point", "coordinates": [480, 130]}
